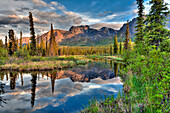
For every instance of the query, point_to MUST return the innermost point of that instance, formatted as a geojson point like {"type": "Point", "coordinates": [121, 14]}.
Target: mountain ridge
{"type": "Point", "coordinates": [85, 36]}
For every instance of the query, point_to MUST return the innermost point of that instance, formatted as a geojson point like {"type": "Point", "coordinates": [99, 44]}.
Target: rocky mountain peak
{"type": "Point", "coordinates": [79, 29]}
{"type": "Point", "coordinates": [108, 30]}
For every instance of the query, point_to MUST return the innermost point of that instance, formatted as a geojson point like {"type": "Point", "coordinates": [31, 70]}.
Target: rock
{"type": "Point", "coordinates": [106, 74]}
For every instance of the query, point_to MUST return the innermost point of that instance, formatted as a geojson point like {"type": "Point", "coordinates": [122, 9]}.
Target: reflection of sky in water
{"type": "Point", "coordinates": [68, 96]}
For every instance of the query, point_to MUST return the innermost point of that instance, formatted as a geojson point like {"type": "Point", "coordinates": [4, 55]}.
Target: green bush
{"type": "Point", "coordinates": [3, 52]}
{"type": "Point", "coordinates": [22, 53]}
{"type": "Point", "coordinates": [150, 80]}
{"type": "Point", "coordinates": [3, 55]}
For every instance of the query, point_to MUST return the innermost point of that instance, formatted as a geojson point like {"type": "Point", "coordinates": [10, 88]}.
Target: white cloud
{"type": "Point", "coordinates": [54, 3]}
{"type": "Point", "coordinates": [53, 8]}
{"type": "Point", "coordinates": [113, 25]}
{"type": "Point", "coordinates": [39, 2]}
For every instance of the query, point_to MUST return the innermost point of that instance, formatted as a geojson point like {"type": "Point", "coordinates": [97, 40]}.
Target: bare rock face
{"type": "Point", "coordinates": [76, 33]}
{"type": "Point", "coordinates": [79, 29]}
{"type": "Point", "coordinates": [25, 40]}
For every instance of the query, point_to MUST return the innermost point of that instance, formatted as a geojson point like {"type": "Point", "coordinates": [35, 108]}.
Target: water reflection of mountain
{"type": "Point", "coordinates": [44, 84]}
{"type": "Point", "coordinates": [78, 74]}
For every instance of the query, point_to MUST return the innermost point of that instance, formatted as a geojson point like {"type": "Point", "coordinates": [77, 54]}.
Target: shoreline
{"type": "Point", "coordinates": [42, 65]}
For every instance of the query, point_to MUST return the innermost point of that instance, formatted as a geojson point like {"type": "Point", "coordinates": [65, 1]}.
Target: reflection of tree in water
{"type": "Point", "coordinates": [2, 76]}
{"type": "Point", "coordinates": [116, 67]}
{"type": "Point", "coordinates": [22, 81]}
{"type": "Point", "coordinates": [53, 77]}
{"type": "Point", "coordinates": [7, 76]}
{"type": "Point", "coordinates": [2, 100]}
{"type": "Point", "coordinates": [12, 80]}
{"type": "Point", "coordinates": [33, 89]}
{"type": "Point", "coordinates": [111, 63]}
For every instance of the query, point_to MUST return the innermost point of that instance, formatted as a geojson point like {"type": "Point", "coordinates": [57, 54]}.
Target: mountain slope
{"type": "Point", "coordinates": [86, 36]}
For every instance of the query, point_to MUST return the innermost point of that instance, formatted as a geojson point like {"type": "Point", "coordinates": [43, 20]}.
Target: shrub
{"type": "Point", "coordinates": [22, 54]}
{"type": "Point", "coordinates": [3, 52]}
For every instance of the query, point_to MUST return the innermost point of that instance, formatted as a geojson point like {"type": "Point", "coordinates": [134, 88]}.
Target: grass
{"type": "Point", "coordinates": [42, 63]}
{"type": "Point", "coordinates": [146, 86]}
{"type": "Point", "coordinates": [103, 57]}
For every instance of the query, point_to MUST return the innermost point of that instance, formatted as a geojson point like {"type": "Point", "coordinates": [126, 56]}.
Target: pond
{"type": "Point", "coordinates": [58, 91]}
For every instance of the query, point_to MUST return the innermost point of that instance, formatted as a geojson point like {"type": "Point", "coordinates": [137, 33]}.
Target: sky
{"type": "Point", "coordinates": [64, 14]}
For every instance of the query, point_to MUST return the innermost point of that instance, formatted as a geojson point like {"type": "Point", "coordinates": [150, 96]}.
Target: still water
{"type": "Point", "coordinates": [58, 91]}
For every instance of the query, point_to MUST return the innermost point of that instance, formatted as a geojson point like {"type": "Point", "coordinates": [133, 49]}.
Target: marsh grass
{"type": "Point", "coordinates": [94, 57]}
{"type": "Point", "coordinates": [42, 63]}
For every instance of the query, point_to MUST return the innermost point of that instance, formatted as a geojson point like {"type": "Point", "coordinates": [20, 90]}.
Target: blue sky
{"type": "Point", "coordinates": [65, 13]}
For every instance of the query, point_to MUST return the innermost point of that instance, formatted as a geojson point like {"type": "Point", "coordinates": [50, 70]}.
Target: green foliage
{"type": "Point", "coordinates": [10, 48]}
{"type": "Point", "coordinates": [120, 48]}
{"type": "Point", "coordinates": [3, 52]}
{"type": "Point", "coordinates": [92, 50]}
{"type": "Point", "coordinates": [12, 42]}
{"type": "Point", "coordinates": [127, 37]}
{"type": "Point", "coordinates": [22, 53]}
{"type": "Point", "coordinates": [53, 45]}
{"type": "Point", "coordinates": [111, 50]}
{"type": "Point", "coordinates": [155, 31]}
{"type": "Point", "coordinates": [149, 81]}
{"type": "Point", "coordinates": [3, 55]}
{"type": "Point", "coordinates": [130, 44]}
{"type": "Point", "coordinates": [115, 45]}
{"type": "Point", "coordinates": [140, 23]}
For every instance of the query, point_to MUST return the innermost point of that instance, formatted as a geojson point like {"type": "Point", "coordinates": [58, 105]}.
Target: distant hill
{"type": "Point", "coordinates": [86, 36]}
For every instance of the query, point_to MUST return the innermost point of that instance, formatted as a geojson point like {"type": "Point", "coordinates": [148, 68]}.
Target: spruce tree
{"type": "Point", "coordinates": [46, 46]}
{"type": "Point", "coordinates": [92, 50]}
{"type": "Point", "coordinates": [32, 38]}
{"type": "Point", "coordinates": [115, 45]}
{"type": "Point", "coordinates": [21, 40]}
{"type": "Point", "coordinates": [12, 42]}
{"type": "Point", "coordinates": [52, 46]}
{"type": "Point", "coordinates": [156, 33]}
{"type": "Point", "coordinates": [111, 50]}
{"type": "Point", "coordinates": [37, 44]}
{"type": "Point", "coordinates": [42, 47]}
{"type": "Point", "coordinates": [120, 48]}
{"type": "Point", "coordinates": [28, 46]}
{"type": "Point", "coordinates": [16, 39]}
{"type": "Point", "coordinates": [1, 43]}
{"type": "Point", "coordinates": [6, 43]}
{"type": "Point", "coordinates": [140, 23]}
{"type": "Point", "coordinates": [130, 44]}
{"type": "Point", "coordinates": [127, 36]}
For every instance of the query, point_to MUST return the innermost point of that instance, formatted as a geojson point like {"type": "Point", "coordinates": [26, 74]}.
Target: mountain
{"type": "Point", "coordinates": [86, 36]}
{"type": "Point", "coordinates": [79, 36]}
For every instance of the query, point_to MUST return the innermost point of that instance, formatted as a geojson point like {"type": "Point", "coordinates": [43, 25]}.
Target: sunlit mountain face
{"type": "Point", "coordinates": [59, 91]}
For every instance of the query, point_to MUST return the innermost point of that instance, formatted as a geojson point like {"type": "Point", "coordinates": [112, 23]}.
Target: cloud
{"type": "Point", "coordinates": [12, 19]}
{"type": "Point", "coordinates": [115, 25]}
{"type": "Point", "coordinates": [78, 20]}
{"type": "Point", "coordinates": [39, 2]}
{"type": "Point", "coordinates": [54, 3]}
{"type": "Point", "coordinates": [14, 14]}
